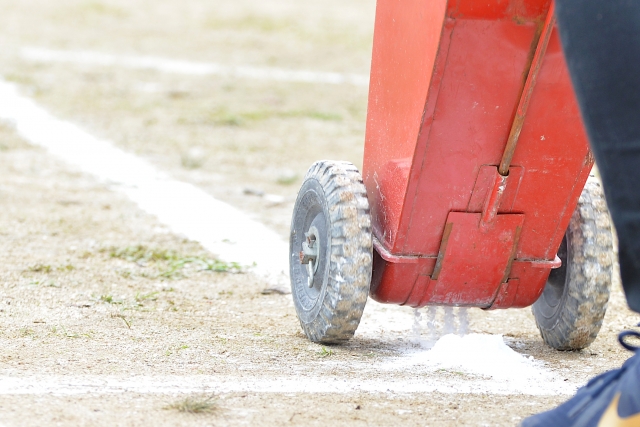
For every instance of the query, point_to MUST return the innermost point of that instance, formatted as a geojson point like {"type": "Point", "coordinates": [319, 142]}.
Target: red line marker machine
{"type": "Point", "coordinates": [475, 190]}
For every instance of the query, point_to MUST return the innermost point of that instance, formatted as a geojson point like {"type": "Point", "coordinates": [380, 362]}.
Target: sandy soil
{"type": "Point", "coordinates": [71, 310]}
{"type": "Point", "coordinates": [77, 305]}
{"type": "Point", "coordinates": [250, 135]}
{"type": "Point", "coordinates": [89, 287]}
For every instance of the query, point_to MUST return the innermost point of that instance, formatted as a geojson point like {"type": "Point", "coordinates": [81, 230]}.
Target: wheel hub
{"type": "Point", "coordinates": [309, 253]}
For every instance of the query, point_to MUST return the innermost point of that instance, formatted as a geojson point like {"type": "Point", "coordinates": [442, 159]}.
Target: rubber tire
{"type": "Point", "coordinates": [334, 200]}
{"type": "Point", "coordinates": [573, 303]}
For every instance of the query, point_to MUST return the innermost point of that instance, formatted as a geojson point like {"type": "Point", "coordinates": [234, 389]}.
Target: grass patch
{"type": "Point", "coordinates": [170, 264]}
{"type": "Point", "coordinates": [27, 332]}
{"type": "Point", "coordinates": [46, 268]}
{"type": "Point", "coordinates": [151, 296]}
{"type": "Point", "coordinates": [124, 273]}
{"type": "Point", "coordinates": [137, 302]}
{"type": "Point", "coordinates": [325, 352]}
{"type": "Point", "coordinates": [109, 299]}
{"type": "Point", "coordinates": [139, 253]}
{"type": "Point", "coordinates": [69, 334]}
{"type": "Point", "coordinates": [449, 371]}
{"type": "Point", "coordinates": [40, 268]}
{"type": "Point", "coordinates": [195, 405]}
{"type": "Point", "coordinates": [175, 267]}
{"type": "Point", "coordinates": [175, 349]}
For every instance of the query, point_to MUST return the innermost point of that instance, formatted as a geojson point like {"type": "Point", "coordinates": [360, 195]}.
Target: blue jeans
{"type": "Point", "coordinates": [601, 41]}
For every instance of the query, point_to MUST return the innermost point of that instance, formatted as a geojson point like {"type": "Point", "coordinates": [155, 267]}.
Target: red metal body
{"type": "Point", "coordinates": [475, 152]}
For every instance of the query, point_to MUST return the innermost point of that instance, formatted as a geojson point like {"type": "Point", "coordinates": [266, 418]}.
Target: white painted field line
{"type": "Point", "coordinates": [166, 65]}
{"type": "Point", "coordinates": [74, 385]}
{"type": "Point", "coordinates": [187, 210]}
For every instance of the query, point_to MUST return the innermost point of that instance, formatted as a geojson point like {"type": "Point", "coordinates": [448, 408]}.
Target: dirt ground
{"type": "Point", "coordinates": [94, 290]}
{"type": "Point", "coordinates": [251, 134]}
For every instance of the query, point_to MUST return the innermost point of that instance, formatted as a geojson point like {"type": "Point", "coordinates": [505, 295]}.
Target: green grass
{"type": "Point", "coordinates": [175, 267]}
{"type": "Point", "coordinates": [151, 296]}
{"type": "Point", "coordinates": [109, 299]}
{"type": "Point", "coordinates": [69, 334]}
{"type": "Point", "coordinates": [325, 352]}
{"type": "Point", "coordinates": [45, 283]}
{"type": "Point", "coordinates": [138, 302]}
{"type": "Point", "coordinates": [26, 332]}
{"type": "Point", "coordinates": [125, 273]}
{"type": "Point", "coordinates": [170, 264]}
{"type": "Point", "coordinates": [41, 268]}
{"type": "Point", "coordinates": [46, 268]}
{"type": "Point", "coordinates": [195, 405]}
{"type": "Point", "coordinates": [139, 253]}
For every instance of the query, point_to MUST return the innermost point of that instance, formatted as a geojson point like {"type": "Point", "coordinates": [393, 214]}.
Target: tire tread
{"type": "Point", "coordinates": [351, 252]}
{"type": "Point", "coordinates": [588, 276]}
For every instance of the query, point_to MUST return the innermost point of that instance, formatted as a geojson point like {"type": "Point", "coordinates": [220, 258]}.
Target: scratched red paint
{"type": "Point", "coordinates": [446, 79]}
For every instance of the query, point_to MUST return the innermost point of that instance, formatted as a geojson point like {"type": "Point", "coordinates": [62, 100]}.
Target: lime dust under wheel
{"type": "Point", "coordinates": [330, 251]}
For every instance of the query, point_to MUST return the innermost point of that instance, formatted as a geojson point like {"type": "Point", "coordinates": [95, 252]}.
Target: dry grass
{"type": "Point", "coordinates": [199, 404]}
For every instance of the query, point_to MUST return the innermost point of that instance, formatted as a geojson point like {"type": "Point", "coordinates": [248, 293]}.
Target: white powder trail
{"type": "Point", "coordinates": [187, 210]}
{"type": "Point", "coordinates": [472, 358]}
{"type": "Point", "coordinates": [75, 385]}
{"type": "Point", "coordinates": [416, 328]}
{"type": "Point", "coordinates": [449, 320]}
{"type": "Point", "coordinates": [432, 326]}
{"type": "Point", "coordinates": [483, 357]}
{"type": "Point", "coordinates": [166, 65]}
{"type": "Point", "coordinates": [463, 318]}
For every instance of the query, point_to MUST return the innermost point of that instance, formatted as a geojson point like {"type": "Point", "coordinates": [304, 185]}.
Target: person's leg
{"type": "Point", "coordinates": [601, 41]}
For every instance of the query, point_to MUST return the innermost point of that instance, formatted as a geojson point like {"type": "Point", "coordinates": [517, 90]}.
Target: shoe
{"type": "Point", "coordinates": [608, 400]}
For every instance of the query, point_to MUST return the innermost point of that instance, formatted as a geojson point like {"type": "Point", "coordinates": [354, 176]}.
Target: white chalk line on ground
{"type": "Point", "coordinates": [186, 209]}
{"type": "Point", "coordinates": [74, 385]}
{"type": "Point", "coordinates": [166, 65]}
{"type": "Point", "coordinates": [234, 236]}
